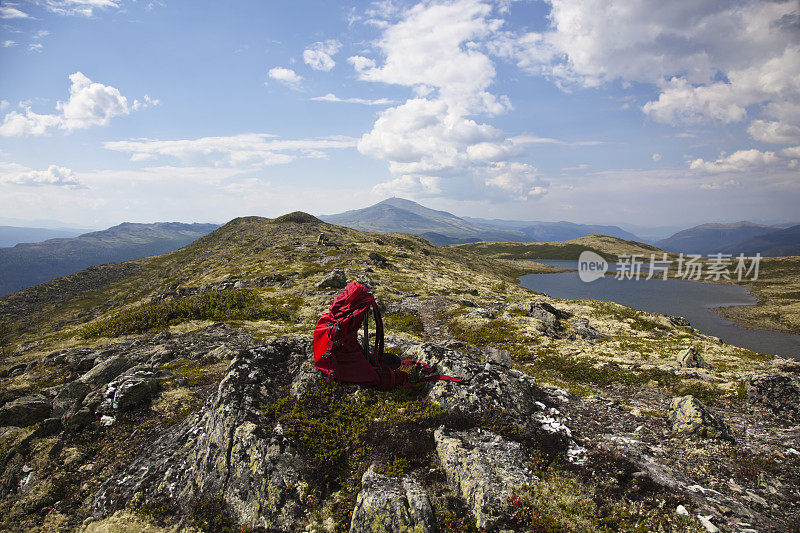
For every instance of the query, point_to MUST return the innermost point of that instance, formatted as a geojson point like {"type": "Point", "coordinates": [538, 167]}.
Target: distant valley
{"type": "Point", "coordinates": [28, 264]}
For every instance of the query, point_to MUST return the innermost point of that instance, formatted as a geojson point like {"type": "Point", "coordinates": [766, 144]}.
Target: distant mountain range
{"type": "Point", "coordinates": [441, 227]}
{"type": "Point", "coordinates": [11, 235]}
{"type": "Point", "coordinates": [735, 238]}
{"type": "Point", "coordinates": [29, 264]}
{"type": "Point", "coordinates": [776, 243]}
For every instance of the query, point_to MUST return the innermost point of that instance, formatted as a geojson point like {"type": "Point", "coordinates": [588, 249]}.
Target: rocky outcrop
{"type": "Point", "coordinates": [388, 503]}
{"type": "Point", "coordinates": [580, 328]}
{"type": "Point", "coordinates": [227, 449]}
{"type": "Point", "coordinates": [689, 415]}
{"type": "Point", "coordinates": [691, 358]}
{"type": "Point", "coordinates": [25, 411]}
{"type": "Point", "coordinates": [336, 279]}
{"type": "Point", "coordinates": [777, 391]}
{"type": "Point", "coordinates": [483, 468]}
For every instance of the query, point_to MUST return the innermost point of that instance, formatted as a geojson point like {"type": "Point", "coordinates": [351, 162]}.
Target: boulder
{"type": "Point", "coordinates": [103, 372]}
{"type": "Point", "coordinates": [691, 358]}
{"type": "Point", "coordinates": [777, 391]}
{"type": "Point", "coordinates": [337, 279]}
{"type": "Point", "coordinates": [582, 329]}
{"type": "Point", "coordinates": [391, 504]}
{"type": "Point", "coordinates": [499, 357]}
{"type": "Point", "coordinates": [687, 414]}
{"type": "Point", "coordinates": [70, 397]}
{"type": "Point", "coordinates": [484, 469]}
{"type": "Point", "coordinates": [25, 411]}
{"type": "Point", "coordinates": [486, 386]}
{"type": "Point", "coordinates": [480, 312]}
{"type": "Point", "coordinates": [228, 449]}
{"type": "Point", "coordinates": [135, 390]}
{"type": "Point", "coordinates": [377, 259]}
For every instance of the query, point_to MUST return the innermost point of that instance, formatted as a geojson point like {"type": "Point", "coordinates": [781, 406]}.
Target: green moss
{"type": "Point", "coordinates": [404, 322]}
{"type": "Point", "coordinates": [483, 334]}
{"type": "Point", "coordinates": [397, 467]}
{"type": "Point", "coordinates": [332, 427]}
{"type": "Point", "coordinates": [235, 304]}
{"type": "Point", "coordinates": [590, 371]}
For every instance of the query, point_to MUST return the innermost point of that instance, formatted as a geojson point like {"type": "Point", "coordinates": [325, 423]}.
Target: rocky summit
{"type": "Point", "coordinates": [181, 395]}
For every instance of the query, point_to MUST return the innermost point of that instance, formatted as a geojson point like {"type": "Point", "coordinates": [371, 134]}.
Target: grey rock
{"type": "Point", "coordinates": [226, 449]}
{"type": "Point", "coordinates": [391, 504]}
{"type": "Point", "coordinates": [480, 312]}
{"type": "Point", "coordinates": [777, 391]}
{"type": "Point", "coordinates": [78, 420]}
{"type": "Point", "coordinates": [337, 279]}
{"type": "Point", "coordinates": [483, 468]}
{"type": "Point", "coordinates": [582, 329]}
{"type": "Point", "coordinates": [135, 390]}
{"type": "Point", "coordinates": [25, 411]}
{"type": "Point", "coordinates": [105, 371]}
{"type": "Point", "coordinates": [679, 321]}
{"type": "Point", "coordinates": [70, 397]}
{"type": "Point", "coordinates": [486, 386]}
{"type": "Point", "coordinates": [691, 358]}
{"type": "Point", "coordinates": [689, 415]}
{"type": "Point", "coordinates": [499, 357]}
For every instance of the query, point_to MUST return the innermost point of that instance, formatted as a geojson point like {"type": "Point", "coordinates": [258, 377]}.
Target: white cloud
{"type": "Point", "coordinates": [8, 43]}
{"type": "Point", "coordinates": [54, 176]}
{"type": "Point", "coordinates": [319, 55]}
{"type": "Point", "coordinates": [430, 47]}
{"type": "Point", "coordinates": [35, 47]}
{"type": "Point", "coordinates": [8, 12]}
{"type": "Point", "coordinates": [361, 63]}
{"type": "Point", "coordinates": [433, 144]}
{"type": "Point", "coordinates": [738, 161]}
{"type": "Point", "coordinates": [89, 104]}
{"type": "Point", "coordinates": [330, 97]}
{"type": "Point", "coordinates": [656, 157]}
{"type": "Point", "coordinates": [237, 151]}
{"type": "Point", "coordinates": [286, 76]}
{"type": "Point", "coordinates": [775, 132]}
{"type": "Point", "coordinates": [84, 8]}
{"type": "Point", "coordinates": [723, 62]}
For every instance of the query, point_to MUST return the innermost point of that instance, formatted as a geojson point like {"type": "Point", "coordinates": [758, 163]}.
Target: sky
{"type": "Point", "coordinates": [617, 111]}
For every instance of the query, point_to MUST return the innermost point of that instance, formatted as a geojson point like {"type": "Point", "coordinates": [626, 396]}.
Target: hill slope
{"type": "Point", "coordinates": [11, 235]}
{"type": "Point", "coordinates": [537, 231]}
{"type": "Point", "coordinates": [26, 264]}
{"type": "Point", "coordinates": [608, 247]}
{"type": "Point", "coordinates": [777, 243]}
{"type": "Point", "coordinates": [442, 228]}
{"type": "Point", "coordinates": [712, 238]}
{"type": "Point", "coordinates": [178, 391]}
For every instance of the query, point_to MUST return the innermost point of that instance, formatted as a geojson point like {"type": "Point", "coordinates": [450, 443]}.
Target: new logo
{"type": "Point", "coordinates": [591, 266]}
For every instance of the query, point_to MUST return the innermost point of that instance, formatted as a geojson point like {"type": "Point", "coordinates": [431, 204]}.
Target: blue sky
{"type": "Point", "coordinates": [621, 111]}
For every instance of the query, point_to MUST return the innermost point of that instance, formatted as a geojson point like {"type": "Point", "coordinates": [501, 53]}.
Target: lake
{"type": "Point", "coordinates": [690, 299]}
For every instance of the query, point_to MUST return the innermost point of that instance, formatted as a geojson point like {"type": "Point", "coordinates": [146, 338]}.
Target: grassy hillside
{"type": "Point", "coordinates": [28, 264]}
{"type": "Point", "coordinates": [778, 291]}
{"type": "Point", "coordinates": [608, 247]}
{"type": "Point", "coordinates": [245, 249]}
{"type": "Point", "coordinates": [213, 310]}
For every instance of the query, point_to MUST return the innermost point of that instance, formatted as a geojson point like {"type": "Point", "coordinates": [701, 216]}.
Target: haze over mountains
{"type": "Point", "coordinates": [735, 238]}
{"type": "Point", "coordinates": [12, 235]}
{"type": "Point", "coordinates": [441, 227]}
{"type": "Point", "coordinates": [31, 263]}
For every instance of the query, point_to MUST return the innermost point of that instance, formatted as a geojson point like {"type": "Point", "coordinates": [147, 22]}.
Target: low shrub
{"type": "Point", "coordinates": [235, 304]}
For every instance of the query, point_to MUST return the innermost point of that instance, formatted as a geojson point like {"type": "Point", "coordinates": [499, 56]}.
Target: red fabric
{"type": "Point", "coordinates": [339, 355]}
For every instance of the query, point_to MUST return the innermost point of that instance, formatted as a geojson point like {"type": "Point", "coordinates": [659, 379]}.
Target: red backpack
{"type": "Point", "coordinates": [338, 354]}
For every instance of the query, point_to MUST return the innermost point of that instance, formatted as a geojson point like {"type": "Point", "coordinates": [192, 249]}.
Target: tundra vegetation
{"type": "Point", "coordinates": [177, 392]}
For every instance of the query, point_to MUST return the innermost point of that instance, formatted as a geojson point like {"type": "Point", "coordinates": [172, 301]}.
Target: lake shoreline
{"type": "Point", "coordinates": [741, 314]}
{"type": "Point", "coordinates": [713, 308]}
